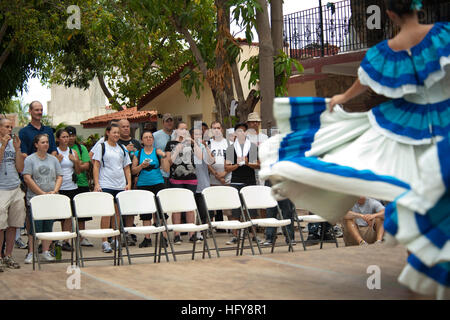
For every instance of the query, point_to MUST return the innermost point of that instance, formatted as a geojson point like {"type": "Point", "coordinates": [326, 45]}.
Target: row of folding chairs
{"type": "Point", "coordinates": [167, 201]}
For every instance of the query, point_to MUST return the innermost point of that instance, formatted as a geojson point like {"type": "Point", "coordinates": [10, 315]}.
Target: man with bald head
{"type": "Point", "coordinates": [130, 144]}
{"type": "Point", "coordinates": [34, 128]}
{"type": "Point", "coordinates": [12, 205]}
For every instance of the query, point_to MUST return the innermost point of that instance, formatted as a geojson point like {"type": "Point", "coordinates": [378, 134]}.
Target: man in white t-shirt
{"type": "Point", "coordinates": [363, 224]}
{"type": "Point", "coordinates": [255, 137]}
{"type": "Point", "coordinates": [218, 147]}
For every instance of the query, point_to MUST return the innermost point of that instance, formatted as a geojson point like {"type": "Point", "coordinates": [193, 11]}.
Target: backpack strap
{"type": "Point", "coordinates": [103, 152]}
{"type": "Point", "coordinates": [79, 148]}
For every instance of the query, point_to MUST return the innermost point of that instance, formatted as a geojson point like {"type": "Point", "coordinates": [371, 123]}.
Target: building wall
{"type": "Point", "coordinates": [175, 102]}
{"type": "Point", "coordinates": [302, 89]}
{"type": "Point", "coordinates": [73, 105]}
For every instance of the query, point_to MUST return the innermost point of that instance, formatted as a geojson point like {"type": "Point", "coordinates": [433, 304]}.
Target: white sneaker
{"type": "Point", "coordinates": [86, 243]}
{"type": "Point", "coordinates": [47, 256]}
{"type": "Point", "coordinates": [106, 247]}
{"type": "Point", "coordinates": [29, 258]}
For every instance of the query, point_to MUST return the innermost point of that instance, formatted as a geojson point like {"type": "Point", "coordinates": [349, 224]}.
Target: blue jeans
{"type": "Point", "coordinates": [287, 211]}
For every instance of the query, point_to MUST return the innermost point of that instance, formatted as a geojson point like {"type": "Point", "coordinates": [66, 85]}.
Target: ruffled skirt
{"type": "Point", "coordinates": [324, 161]}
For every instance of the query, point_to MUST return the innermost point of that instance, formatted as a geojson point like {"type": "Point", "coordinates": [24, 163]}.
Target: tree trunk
{"type": "Point", "coordinates": [276, 17]}
{"type": "Point", "coordinates": [221, 78]}
{"type": "Point", "coordinates": [105, 90]}
{"type": "Point", "coordinates": [247, 106]}
{"type": "Point", "coordinates": [266, 71]}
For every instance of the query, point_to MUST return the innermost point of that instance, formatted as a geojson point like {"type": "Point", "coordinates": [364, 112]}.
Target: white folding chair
{"type": "Point", "coordinates": [226, 198]}
{"type": "Point", "coordinates": [51, 207]}
{"type": "Point", "coordinates": [260, 197]}
{"type": "Point", "coordinates": [96, 204]}
{"type": "Point", "coordinates": [181, 200]}
{"type": "Point", "coordinates": [133, 202]}
{"type": "Point", "coordinates": [313, 218]}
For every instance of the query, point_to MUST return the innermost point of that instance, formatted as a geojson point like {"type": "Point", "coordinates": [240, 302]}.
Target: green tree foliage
{"type": "Point", "coordinates": [30, 31]}
{"type": "Point", "coordinates": [119, 48]}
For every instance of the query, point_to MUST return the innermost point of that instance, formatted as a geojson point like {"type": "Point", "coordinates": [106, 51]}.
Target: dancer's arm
{"type": "Point", "coordinates": [355, 90]}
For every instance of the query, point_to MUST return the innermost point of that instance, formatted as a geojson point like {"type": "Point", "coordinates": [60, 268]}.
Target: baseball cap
{"type": "Point", "coordinates": [71, 130]}
{"type": "Point", "coordinates": [166, 117]}
{"type": "Point", "coordinates": [254, 116]}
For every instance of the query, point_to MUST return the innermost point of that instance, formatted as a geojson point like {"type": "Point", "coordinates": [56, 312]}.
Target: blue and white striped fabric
{"type": "Point", "coordinates": [399, 152]}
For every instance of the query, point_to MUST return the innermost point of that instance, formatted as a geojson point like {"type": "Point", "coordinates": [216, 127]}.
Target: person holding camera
{"type": "Point", "coordinates": [12, 206]}
{"type": "Point", "coordinates": [146, 166]}
{"type": "Point", "coordinates": [70, 167]}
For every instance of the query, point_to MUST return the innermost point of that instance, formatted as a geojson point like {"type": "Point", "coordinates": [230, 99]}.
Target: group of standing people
{"type": "Point", "coordinates": [172, 157]}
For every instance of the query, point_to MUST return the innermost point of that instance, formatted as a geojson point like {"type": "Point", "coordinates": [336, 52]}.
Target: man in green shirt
{"type": "Point", "coordinates": [82, 179]}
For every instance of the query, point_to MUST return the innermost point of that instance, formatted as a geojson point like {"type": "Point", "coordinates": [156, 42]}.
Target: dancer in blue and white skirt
{"type": "Point", "coordinates": [399, 151]}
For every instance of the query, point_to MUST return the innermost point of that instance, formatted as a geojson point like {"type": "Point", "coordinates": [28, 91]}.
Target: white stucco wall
{"type": "Point", "coordinates": [73, 105]}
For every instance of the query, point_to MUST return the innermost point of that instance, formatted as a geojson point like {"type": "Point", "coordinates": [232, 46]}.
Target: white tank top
{"type": "Point", "coordinates": [67, 169]}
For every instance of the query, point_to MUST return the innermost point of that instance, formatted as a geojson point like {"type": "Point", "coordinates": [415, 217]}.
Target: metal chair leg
{"type": "Point", "coordinates": [193, 249]}
{"type": "Point", "coordinates": [246, 232]}
{"type": "Point", "coordinates": [238, 242]}
{"type": "Point", "coordinates": [156, 247]}
{"type": "Point", "coordinates": [322, 233]}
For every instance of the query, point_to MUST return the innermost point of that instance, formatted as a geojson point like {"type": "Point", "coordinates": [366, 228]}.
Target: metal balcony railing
{"type": "Point", "coordinates": [342, 27]}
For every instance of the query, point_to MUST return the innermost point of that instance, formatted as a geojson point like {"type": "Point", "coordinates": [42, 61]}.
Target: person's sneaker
{"type": "Point", "coordinates": [66, 246]}
{"type": "Point", "coordinates": [106, 247]}
{"type": "Point", "coordinates": [378, 242]}
{"type": "Point", "coordinates": [338, 232]}
{"type": "Point", "coordinates": [267, 243]}
{"type": "Point", "coordinates": [232, 241]}
{"type": "Point", "coordinates": [254, 239]}
{"type": "Point", "coordinates": [2, 265]}
{"type": "Point", "coordinates": [177, 240]}
{"type": "Point", "coordinates": [145, 243]}
{"type": "Point", "coordinates": [312, 240]}
{"type": "Point", "coordinates": [293, 242]}
{"type": "Point", "coordinates": [363, 243]}
{"type": "Point", "coordinates": [130, 240]}
{"type": "Point", "coordinates": [194, 238]}
{"type": "Point", "coordinates": [29, 258]}
{"type": "Point", "coordinates": [47, 256]}
{"type": "Point", "coordinates": [10, 262]}
{"type": "Point", "coordinates": [20, 244]}
{"type": "Point", "coordinates": [86, 243]}
{"type": "Point", "coordinates": [115, 244]}
{"type": "Point", "coordinates": [328, 237]}
{"type": "Point", "coordinates": [199, 237]}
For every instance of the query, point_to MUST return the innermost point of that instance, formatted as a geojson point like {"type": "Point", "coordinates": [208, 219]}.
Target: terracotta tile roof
{"type": "Point", "coordinates": [131, 114]}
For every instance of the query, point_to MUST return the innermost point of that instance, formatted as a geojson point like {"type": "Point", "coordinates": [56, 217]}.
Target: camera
{"type": "Point", "coordinates": [150, 167]}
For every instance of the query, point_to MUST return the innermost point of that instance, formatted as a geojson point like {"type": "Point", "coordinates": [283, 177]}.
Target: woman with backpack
{"type": "Point", "coordinates": [70, 167]}
{"type": "Point", "coordinates": [111, 172]}
{"type": "Point", "coordinates": [82, 178]}
{"type": "Point", "coordinates": [146, 165]}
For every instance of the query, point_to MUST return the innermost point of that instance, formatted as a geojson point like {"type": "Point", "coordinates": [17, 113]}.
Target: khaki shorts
{"type": "Point", "coordinates": [368, 234]}
{"type": "Point", "coordinates": [12, 208]}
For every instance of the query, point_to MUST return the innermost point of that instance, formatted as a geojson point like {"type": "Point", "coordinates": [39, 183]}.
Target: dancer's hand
{"type": "Point", "coordinates": [337, 99]}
